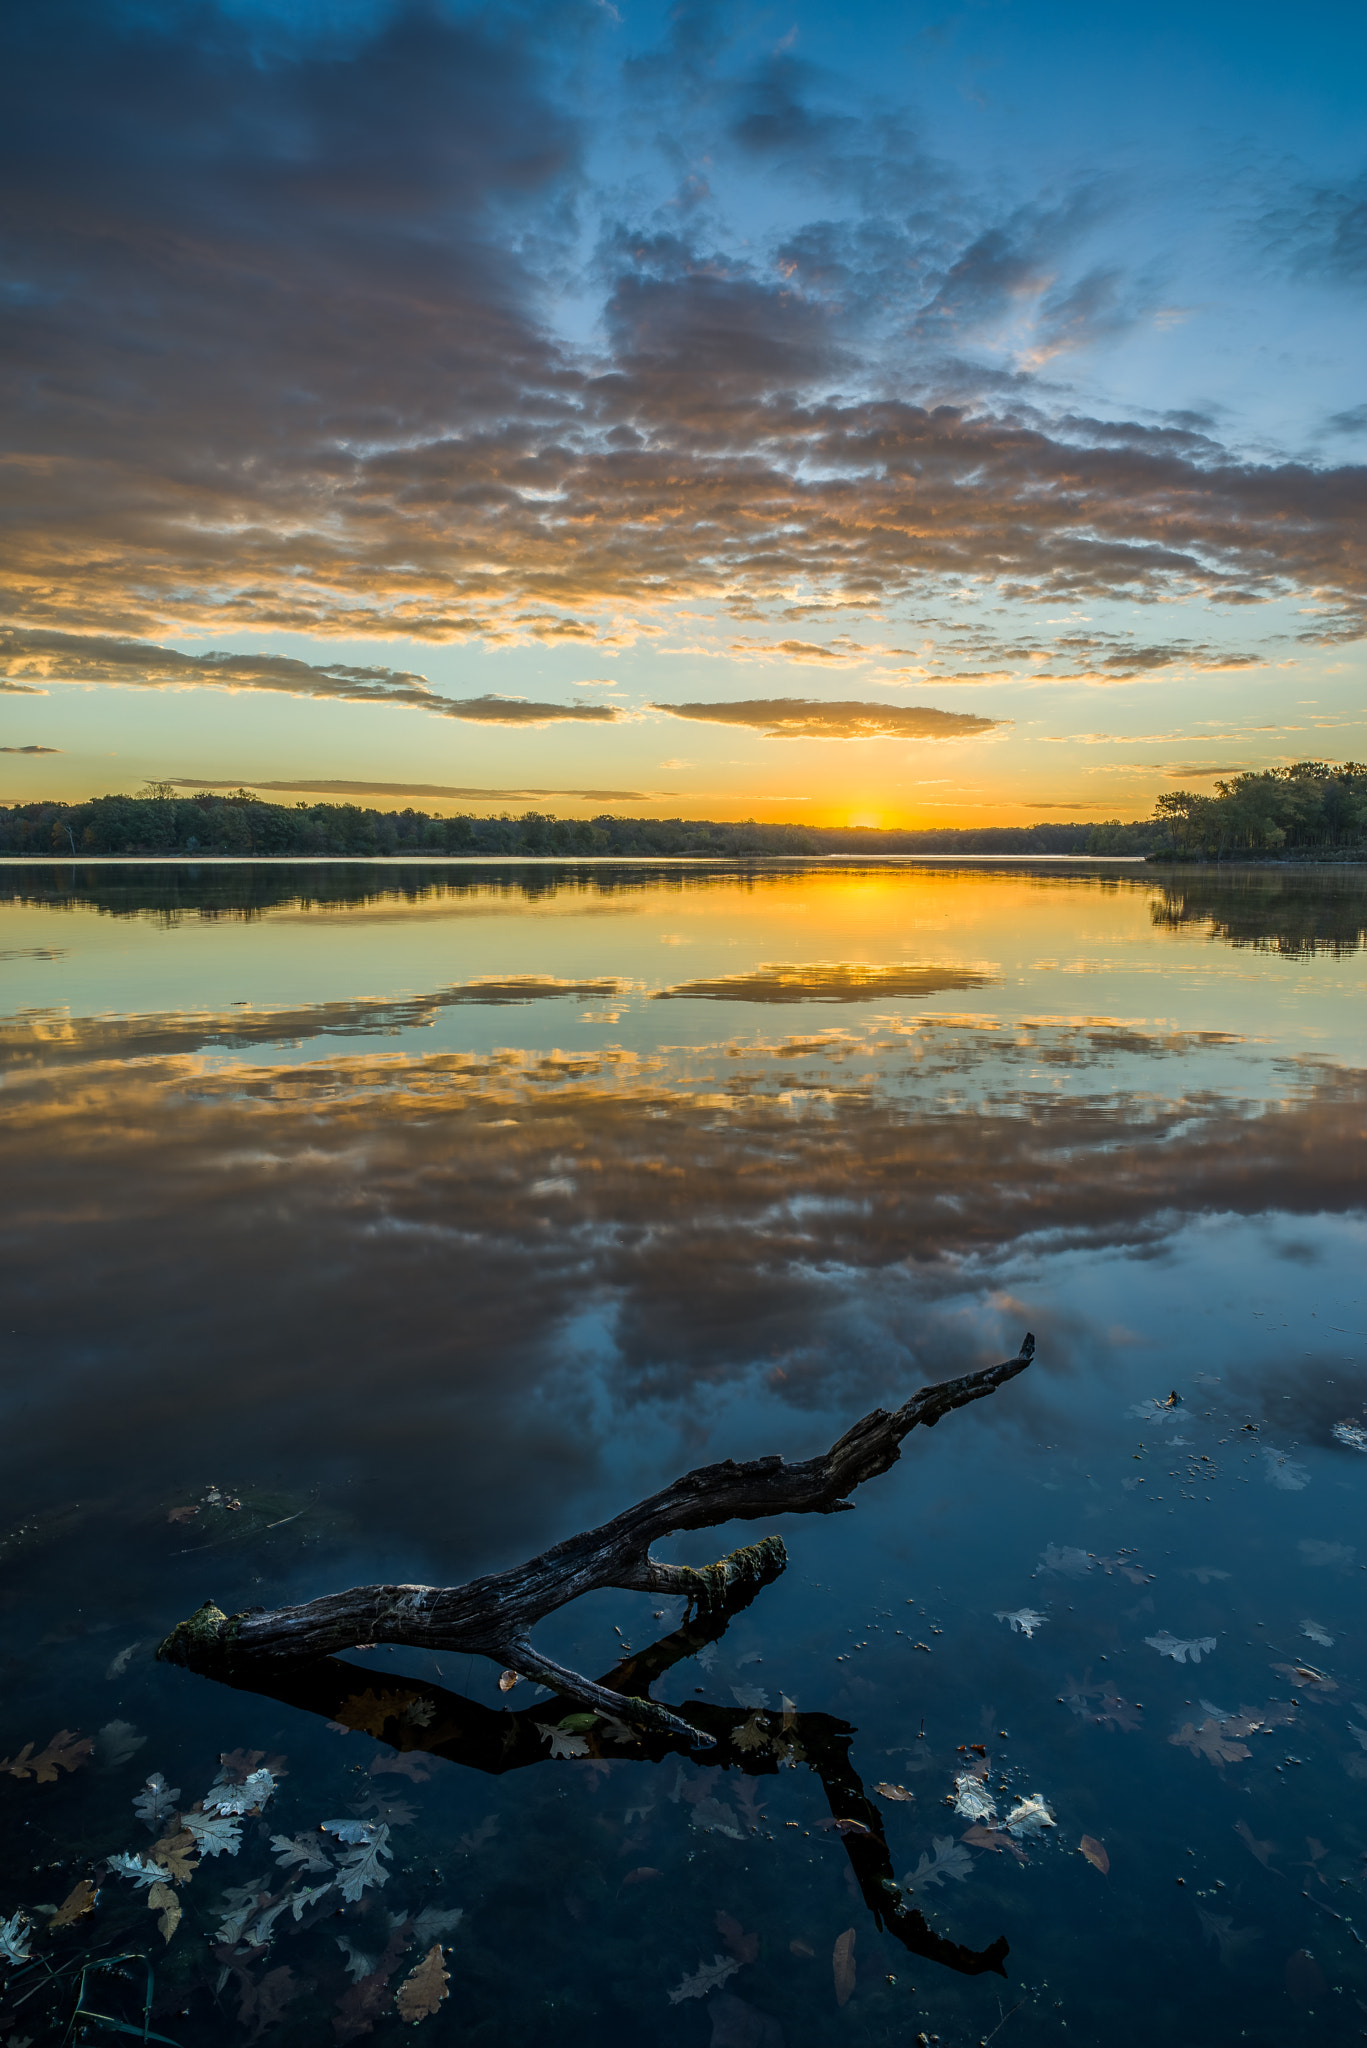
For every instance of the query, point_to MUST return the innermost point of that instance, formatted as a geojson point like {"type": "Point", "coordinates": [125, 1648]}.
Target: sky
{"type": "Point", "coordinates": [890, 415]}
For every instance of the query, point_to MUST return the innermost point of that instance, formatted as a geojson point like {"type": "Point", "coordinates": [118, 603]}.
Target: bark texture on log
{"type": "Point", "coordinates": [491, 1616]}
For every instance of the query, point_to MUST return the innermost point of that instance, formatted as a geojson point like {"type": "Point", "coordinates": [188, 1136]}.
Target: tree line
{"type": "Point", "coordinates": [158, 822]}
{"type": "Point", "coordinates": [1311, 808]}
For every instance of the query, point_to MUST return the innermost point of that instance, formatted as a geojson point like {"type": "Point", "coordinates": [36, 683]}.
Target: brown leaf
{"type": "Point", "coordinates": [508, 1679]}
{"type": "Point", "coordinates": [980, 1837]}
{"type": "Point", "coordinates": [264, 2003]}
{"type": "Point", "coordinates": [173, 1853]}
{"type": "Point", "coordinates": [1262, 1850]}
{"type": "Point", "coordinates": [642, 1874]}
{"type": "Point", "coordinates": [1306, 1678]}
{"type": "Point", "coordinates": [183, 1514]}
{"type": "Point", "coordinates": [1210, 1742]}
{"type": "Point", "coordinates": [237, 1765]}
{"type": "Point", "coordinates": [166, 1906]}
{"type": "Point", "coordinates": [842, 1966]}
{"type": "Point", "coordinates": [1095, 1852]}
{"type": "Point", "coordinates": [371, 1710]}
{"type": "Point", "coordinates": [744, 1947]}
{"type": "Point", "coordinates": [885, 1791]}
{"type": "Point", "coordinates": [66, 1751]}
{"type": "Point", "coordinates": [423, 1989]}
{"type": "Point", "coordinates": [75, 1905]}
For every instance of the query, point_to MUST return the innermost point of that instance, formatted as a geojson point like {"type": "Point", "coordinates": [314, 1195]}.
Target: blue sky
{"type": "Point", "coordinates": [896, 414]}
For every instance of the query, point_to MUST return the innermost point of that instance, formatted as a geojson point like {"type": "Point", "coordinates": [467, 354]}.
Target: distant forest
{"type": "Point", "coordinates": [157, 823]}
{"type": "Point", "coordinates": [1306, 811]}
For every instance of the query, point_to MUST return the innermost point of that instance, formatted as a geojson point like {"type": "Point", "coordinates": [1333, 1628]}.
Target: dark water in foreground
{"type": "Point", "coordinates": [434, 1215]}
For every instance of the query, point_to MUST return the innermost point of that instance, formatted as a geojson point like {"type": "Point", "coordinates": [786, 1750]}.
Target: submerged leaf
{"type": "Point", "coordinates": [561, 1742]}
{"type": "Point", "coordinates": [215, 1833]}
{"type": "Point", "coordinates": [115, 1743]}
{"type": "Point", "coordinates": [949, 1860]}
{"type": "Point", "coordinates": [133, 1866]}
{"type": "Point", "coordinates": [705, 1978]}
{"type": "Point", "coordinates": [66, 1751]}
{"type": "Point", "coordinates": [1315, 1632]}
{"type": "Point", "coordinates": [173, 1853]}
{"type": "Point", "coordinates": [423, 1989]}
{"type": "Point", "coordinates": [306, 1849]}
{"type": "Point", "coordinates": [753, 1733]}
{"type": "Point", "coordinates": [1211, 1741]}
{"type": "Point", "coordinates": [249, 1796]}
{"type": "Point", "coordinates": [345, 1831]}
{"type": "Point", "coordinates": [166, 1906]}
{"type": "Point", "coordinates": [842, 1965]}
{"type": "Point", "coordinates": [437, 1920]}
{"type": "Point", "coordinates": [1095, 1852]}
{"type": "Point", "coordinates": [14, 1938]}
{"type": "Point", "coordinates": [1024, 1621]}
{"type": "Point", "coordinates": [362, 1867]}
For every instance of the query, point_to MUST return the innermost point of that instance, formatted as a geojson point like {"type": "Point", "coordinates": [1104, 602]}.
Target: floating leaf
{"type": "Point", "coordinates": [358, 1964]}
{"type": "Point", "coordinates": [707, 1977]}
{"type": "Point", "coordinates": [562, 1743]}
{"type": "Point", "coordinates": [345, 1830]}
{"type": "Point", "coordinates": [66, 1751]}
{"type": "Point", "coordinates": [1212, 1741]}
{"type": "Point", "coordinates": [842, 1966]}
{"type": "Point", "coordinates": [75, 1905]}
{"type": "Point", "coordinates": [133, 1866]}
{"type": "Point", "coordinates": [173, 1853]}
{"type": "Point", "coordinates": [362, 1867]}
{"type": "Point", "coordinates": [972, 1800]}
{"type": "Point", "coordinates": [895, 1792]}
{"type": "Point", "coordinates": [1179, 1648]}
{"type": "Point", "coordinates": [305, 1849]}
{"type": "Point", "coordinates": [214, 1833]}
{"type": "Point", "coordinates": [423, 1989]}
{"type": "Point", "coordinates": [264, 2004]}
{"type": "Point", "coordinates": [306, 1896]}
{"type": "Point", "coordinates": [949, 1860]}
{"type": "Point", "coordinates": [14, 1938]}
{"type": "Point", "coordinates": [1350, 1434]}
{"type": "Point", "coordinates": [1095, 1852]}
{"type": "Point", "coordinates": [711, 1817]}
{"type": "Point", "coordinates": [1024, 1621]}
{"type": "Point", "coordinates": [1306, 1678]}
{"type": "Point", "coordinates": [166, 1906]}
{"type": "Point", "coordinates": [1064, 1558]}
{"type": "Point", "coordinates": [753, 1733]}
{"type": "Point", "coordinates": [507, 1680]}
{"type": "Point", "coordinates": [1283, 1472]}
{"type": "Point", "coordinates": [1029, 1817]}
{"type": "Point", "coordinates": [155, 1801]}
{"type": "Point", "coordinates": [1315, 1632]}
{"type": "Point", "coordinates": [249, 1796]}
{"type": "Point", "coordinates": [749, 1696]}
{"type": "Point", "coordinates": [437, 1920]}
{"type": "Point", "coordinates": [995, 1839]}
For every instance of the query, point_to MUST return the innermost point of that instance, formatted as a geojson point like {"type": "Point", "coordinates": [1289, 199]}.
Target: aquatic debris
{"type": "Point", "coordinates": [302, 1849]}
{"type": "Point", "coordinates": [141, 1872]}
{"type": "Point", "coordinates": [971, 1798]}
{"type": "Point", "coordinates": [1317, 1633]}
{"type": "Point", "coordinates": [949, 1860]}
{"type": "Point", "coordinates": [155, 1801]}
{"type": "Point", "coordinates": [1024, 1621]}
{"type": "Point", "coordinates": [707, 1977]}
{"type": "Point", "coordinates": [749, 1696]}
{"type": "Point", "coordinates": [1065, 1559]}
{"type": "Point", "coordinates": [116, 1743]}
{"type": "Point", "coordinates": [15, 1935]}
{"type": "Point", "coordinates": [75, 1905]}
{"type": "Point", "coordinates": [1212, 1740]}
{"type": "Point", "coordinates": [66, 1751]}
{"type": "Point", "coordinates": [1095, 1853]}
{"type": "Point", "coordinates": [1179, 1648]}
{"type": "Point", "coordinates": [562, 1742]}
{"type": "Point", "coordinates": [1028, 1818]}
{"type": "Point", "coordinates": [1283, 1471]}
{"type": "Point", "coordinates": [215, 1833]}
{"type": "Point", "coordinates": [166, 1906]}
{"type": "Point", "coordinates": [842, 1966]}
{"type": "Point", "coordinates": [173, 1853]}
{"type": "Point", "coordinates": [423, 1989]}
{"type": "Point", "coordinates": [434, 1920]}
{"type": "Point", "coordinates": [895, 1792]}
{"type": "Point", "coordinates": [1351, 1434]}
{"type": "Point", "coordinates": [118, 1665]}
{"type": "Point", "coordinates": [362, 1867]}
{"type": "Point", "coordinates": [753, 1734]}
{"type": "Point", "coordinates": [249, 1796]}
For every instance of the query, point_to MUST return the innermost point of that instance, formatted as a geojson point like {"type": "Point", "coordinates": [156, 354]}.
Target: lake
{"type": "Point", "coordinates": [389, 1224]}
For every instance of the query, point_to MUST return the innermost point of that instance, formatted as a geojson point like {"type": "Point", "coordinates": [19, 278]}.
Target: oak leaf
{"type": "Point", "coordinates": [707, 1977]}
{"type": "Point", "coordinates": [563, 1742]}
{"type": "Point", "coordinates": [67, 1751]}
{"type": "Point", "coordinates": [842, 1966]}
{"type": "Point", "coordinates": [949, 1860]}
{"type": "Point", "coordinates": [423, 1989]}
{"type": "Point", "coordinates": [752, 1733]}
{"type": "Point", "coordinates": [75, 1905]}
{"type": "Point", "coordinates": [155, 1801]}
{"type": "Point", "coordinates": [215, 1834]}
{"type": "Point", "coordinates": [1211, 1742]}
{"type": "Point", "coordinates": [995, 1839]}
{"type": "Point", "coordinates": [306, 1849]}
{"type": "Point", "coordinates": [166, 1906]}
{"type": "Point", "coordinates": [14, 1938]}
{"type": "Point", "coordinates": [173, 1853]}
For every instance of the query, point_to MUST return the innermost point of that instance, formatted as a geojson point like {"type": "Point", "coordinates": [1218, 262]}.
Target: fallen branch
{"type": "Point", "coordinates": [492, 1616]}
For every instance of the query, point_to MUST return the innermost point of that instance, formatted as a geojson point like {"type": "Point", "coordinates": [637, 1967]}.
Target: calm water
{"type": "Point", "coordinates": [434, 1214]}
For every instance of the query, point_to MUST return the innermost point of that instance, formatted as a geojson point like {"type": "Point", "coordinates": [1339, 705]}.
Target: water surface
{"type": "Point", "coordinates": [435, 1214]}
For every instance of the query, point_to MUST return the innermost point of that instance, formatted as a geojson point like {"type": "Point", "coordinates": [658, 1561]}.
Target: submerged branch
{"type": "Point", "coordinates": [492, 1616]}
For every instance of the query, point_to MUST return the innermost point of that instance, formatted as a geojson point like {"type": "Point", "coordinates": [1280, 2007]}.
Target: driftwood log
{"type": "Point", "coordinates": [492, 1616]}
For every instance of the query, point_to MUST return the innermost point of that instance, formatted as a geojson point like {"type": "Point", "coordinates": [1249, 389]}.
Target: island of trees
{"type": "Point", "coordinates": [1311, 810]}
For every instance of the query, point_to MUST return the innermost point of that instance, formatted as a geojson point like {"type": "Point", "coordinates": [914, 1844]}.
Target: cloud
{"type": "Point", "coordinates": [842, 982]}
{"type": "Point", "coordinates": [94, 658]}
{"type": "Point", "coordinates": [336, 787]}
{"type": "Point", "coordinates": [30, 750]}
{"type": "Point", "coordinates": [791, 718]}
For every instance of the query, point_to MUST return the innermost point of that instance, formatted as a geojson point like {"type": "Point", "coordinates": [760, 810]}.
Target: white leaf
{"type": "Point", "coordinates": [1029, 1817]}
{"type": "Point", "coordinates": [14, 1938]}
{"type": "Point", "coordinates": [306, 1849]}
{"type": "Point", "coordinates": [749, 1696]}
{"type": "Point", "coordinates": [215, 1834]}
{"type": "Point", "coordinates": [134, 1867]}
{"type": "Point", "coordinates": [1283, 1472]}
{"type": "Point", "coordinates": [301, 1900]}
{"type": "Point", "coordinates": [1349, 1433]}
{"type": "Point", "coordinates": [951, 1859]}
{"type": "Point", "coordinates": [345, 1830]}
{"type": "Point", "coordinates": [362, 1867]}
{"type": "Point", "coordinates": [1065, 1559]}
{"type": "Point", "coordinates": [1179, 1648]}
{"type": "Point", "coordinates": [562, 1743]}
{"type": "Point", "coordinates": [118, 1665]}
{"type": "Point", "coordinates": [1317, 1634]}
{"type": "Point", "coordinates": [972, 1800]}
{"type": "Point", "coordinates": [705, 1978]}
{"type": "Point", "coordinates": [248, 1797]}
{"type": "Point", "coordinates": [1024, 1621]}
{"type": "Point", "coordinates": [155, 1801]}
